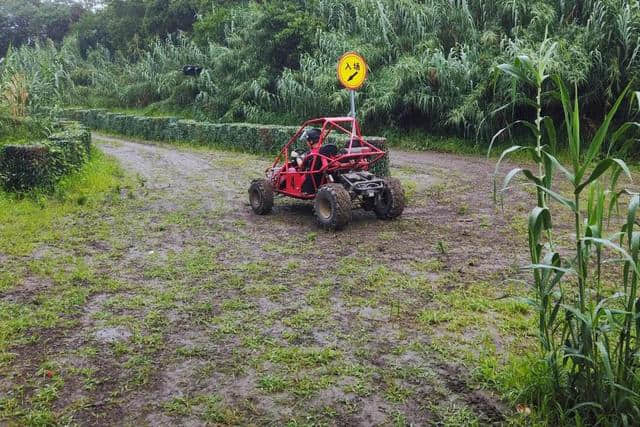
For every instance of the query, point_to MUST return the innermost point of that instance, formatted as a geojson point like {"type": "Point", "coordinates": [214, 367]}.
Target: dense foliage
{"type": "Point", "coordinates": [42, 163]}
{"type": "Point", "coordinates": [25, 21]}
{"type": "Point", "coordinates": [13, 131]}
{"type": "Point", "coordinates": [432, 62]}
{"type": "Point", "coordinates": [587, 312]}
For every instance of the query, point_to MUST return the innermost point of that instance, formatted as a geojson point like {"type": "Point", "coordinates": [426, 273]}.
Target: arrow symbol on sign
{"type": "Point", "coordinates": [352, 76]}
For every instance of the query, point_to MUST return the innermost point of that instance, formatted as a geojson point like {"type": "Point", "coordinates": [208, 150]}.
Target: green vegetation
{"type": "Point", "coordinates": [40, 164]}
{"type": "Point", "coordinates": [17, 131]}
{"type": "Point", "coordinates": [433, 64]}
{"type": "Point", "coordinates": [588, 325]}
{"type": "Point", "coordinates": [23, 21]}
{"type": "Point", "coordinates": [29, 221]}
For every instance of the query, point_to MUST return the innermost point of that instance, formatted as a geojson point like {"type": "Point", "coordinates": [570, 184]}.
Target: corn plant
{"type": "Point", "coordinates": [588, 327]}
{"type": "Point", "coordinates": [533, 72]}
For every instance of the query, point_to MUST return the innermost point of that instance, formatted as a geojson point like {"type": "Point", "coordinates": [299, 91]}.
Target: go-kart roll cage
{"type": "Point", "coordinates": [358, 158]}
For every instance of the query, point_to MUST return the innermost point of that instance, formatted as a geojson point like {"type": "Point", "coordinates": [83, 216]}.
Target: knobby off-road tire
{"type": "Point", "coordinates": [332, 206]}
{"type": "Point", "coordinates": [261, 196]}
{"type": "Point", "coordinates": [390, 202]}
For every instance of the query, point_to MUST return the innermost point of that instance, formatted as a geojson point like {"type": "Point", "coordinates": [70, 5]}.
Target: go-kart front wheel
{"type": "Point", "coordinates": [332, 206]}
{"type": "Point", "coordinates": [390, 201]}
{"type": "Point", "coordinates": [261, 196]}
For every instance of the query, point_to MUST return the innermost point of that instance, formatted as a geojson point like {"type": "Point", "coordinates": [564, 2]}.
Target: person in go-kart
{"type": "Point", "coordinates": [312, 137]}
{"type": "Point", "coordinates": [309, 159]}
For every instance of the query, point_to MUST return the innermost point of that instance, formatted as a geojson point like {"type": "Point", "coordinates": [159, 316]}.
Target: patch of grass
{"type": "Point", "coordinates": [319, 295]}
{"type": "Point", "coordinates": [306, 318]}
{"type": "Point", "coordinates": [215, 411]}
{"type": "Point", "coordinates": [140, 369]}
{"type": "Point", "coordinates": [296, 358]}
{"type": "Point", "coordinates": [431, 265]}
{"type": "Point", "coordinates": [228, 324]}
{"type": "Point", "coordinates": [441, 247]}
{"type": "Point", "coordinates": [192, 263]}
{"type": "Point", "coordinates": [396, 393]}
{"type": "Point", "coordinates": [273, 383]}
{"type": "Point", "coordinates": [362, 388]}
{"type": "Point", "coordinates": [423, 141]}
{"type": "Point", "coordinates": [308, 385]}
{"type": "Point", "coordinates": [8, 280]}
{"type": "Point", "coordinates": [265, 288]}
{"type": "Point", "coordinates": [352, 265]}
{"type": "Point", "coordinates": [290, 247]}
{"type": "Point", "coordinates": [435, 317]}
{"type": "Point", "coordinates": [30, 221]}
{"type": "Point", "coordinates": [178, 406]}
{"type": "Point", "coordinates": [192, 352]}
{"type": "Point", "coordinates": [410, 189]}
{"type": "Point", "coordinates": [455, 415]}
{"type": "Point", "coordinates": [18, 321]}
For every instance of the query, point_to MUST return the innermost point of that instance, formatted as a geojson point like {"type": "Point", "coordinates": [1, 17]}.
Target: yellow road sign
{"type": "Point", "coordinates": [352, 70]}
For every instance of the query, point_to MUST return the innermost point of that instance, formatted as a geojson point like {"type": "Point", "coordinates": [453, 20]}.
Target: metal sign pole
{"type": "Point", "coordinates": [352, 113]}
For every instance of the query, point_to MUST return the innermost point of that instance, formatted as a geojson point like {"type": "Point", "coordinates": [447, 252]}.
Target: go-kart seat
{"type": "Point", "coordinates": [329, 150]}
{"type": "Point", "coordinates": [355, 144]}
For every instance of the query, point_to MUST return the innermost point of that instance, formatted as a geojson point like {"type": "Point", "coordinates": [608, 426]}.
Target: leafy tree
{"type": "Point", "coordinates": [212, 26]}
{"type": "Point", "coordinates": [123, 25]}
{"type": "Point", "coordinates": [27, 21]}
{"type": "Point", "coordinates": [282, 31]}
{"type": "Point", "coordinates": [164, 17]}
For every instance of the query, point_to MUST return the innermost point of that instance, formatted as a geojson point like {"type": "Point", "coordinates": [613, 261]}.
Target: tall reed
{"type": "Point", "coordinates": [16, 95]}
{"type": "Point", "coordinates": [588, 310]}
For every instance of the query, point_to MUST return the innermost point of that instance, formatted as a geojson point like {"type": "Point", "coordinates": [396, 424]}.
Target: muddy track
{"type": "Point", "coordinates": [452, 192]}
{"type": "Point", "coordinates": [451, 204]}
{"type": "Point", "coordinates": [228, 317]}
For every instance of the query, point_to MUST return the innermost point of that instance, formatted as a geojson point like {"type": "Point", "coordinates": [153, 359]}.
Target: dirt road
{"type": "Point", "coordinates": [218, 180]}
{"type": "Point", "coordinates": [213, 315]}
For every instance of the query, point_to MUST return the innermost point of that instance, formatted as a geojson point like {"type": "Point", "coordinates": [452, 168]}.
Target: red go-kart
{"type": "Point", "coordinates": [332, 168]}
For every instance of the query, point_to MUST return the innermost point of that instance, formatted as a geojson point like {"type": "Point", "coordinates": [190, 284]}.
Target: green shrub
{"type": "Point", "coordinates": [139, 94]}
{"type": "Point", "coordinates": [42, 164]}
{"type": "Point", "coordinates": [24, 166]}
{"type": "Point", "coordinates": [16, 129]}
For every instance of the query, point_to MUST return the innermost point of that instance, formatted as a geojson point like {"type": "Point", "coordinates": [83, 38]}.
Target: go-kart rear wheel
{"type": "Point", "coordinates": [261, 196]}
{"type": "Point", "coordinates": [390, 201]}
{"type": "Point", "coordinates": [332, 206]}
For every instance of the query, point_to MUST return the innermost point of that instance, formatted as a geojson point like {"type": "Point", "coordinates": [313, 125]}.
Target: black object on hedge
{"type": "Point", "coordinates": [191, 70]}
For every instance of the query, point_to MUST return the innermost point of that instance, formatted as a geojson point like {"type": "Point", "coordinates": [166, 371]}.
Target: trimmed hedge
{"type": "Point", "coordinates": [237, 136]}
{"type": "Point", "coordinates": [43, 163]}
{"type": "Point", "coordinates": [19, 129]}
